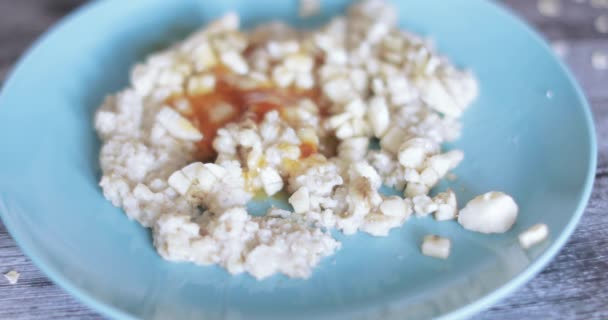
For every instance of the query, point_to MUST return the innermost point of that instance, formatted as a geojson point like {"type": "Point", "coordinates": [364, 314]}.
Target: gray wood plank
{"type": "Point", "coordinates": [572, 286]}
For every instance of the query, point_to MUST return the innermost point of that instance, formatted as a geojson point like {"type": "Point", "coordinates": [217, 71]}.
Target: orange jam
{"type": "Point", "coordinates": [229, 103]}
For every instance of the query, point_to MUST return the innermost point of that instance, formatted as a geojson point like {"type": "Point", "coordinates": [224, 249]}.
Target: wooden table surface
{"type": "Point", "coordinates": [573, 286]}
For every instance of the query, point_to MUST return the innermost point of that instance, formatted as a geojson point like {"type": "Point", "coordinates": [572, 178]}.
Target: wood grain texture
{"type": "Point", "coordinates": [573, 286]}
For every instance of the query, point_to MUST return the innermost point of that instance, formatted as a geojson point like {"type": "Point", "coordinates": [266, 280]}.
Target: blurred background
{"type": "Point", "coordinates": [573, 286]}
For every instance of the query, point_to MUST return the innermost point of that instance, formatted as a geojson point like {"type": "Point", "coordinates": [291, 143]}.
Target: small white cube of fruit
{"type": "Point", "coordinates": [435, 94]}
{"type": "Point", "coordinates": [178, 126]}
{"type": "Point", "coordinates": [235, 62]}
{"type": "Point", "coordinates": [413, 152]}
{"type": "Point", "coordinates": [415, 189]}
{"type": "Point", "coordinates": [447, 206]}
{"type": "Point", "coordinates": [492, 212]}
{"type": "Point", "coordinates": [198, 85]}
{"type": "Point", "coordinates": [533, 235]}
{"type": "Point", "coordinates": [179, 182]}
{"type": "Point", "coordinates": [436, 246]}
{"type": "Point", "coordinates": [379, 225]}
{"type": "Point", "coordinates": [271, 181]}
{"type": "Point", "coordinates": [300, 200]}
{"type": "Point", "coordinates": [249, 138]}
{"type": "Point", "coordinates": [207, 178]}
{"type": "Point", "coordinates": [204, 57]}
{"type": "Point", "coordinates": [424, 205]}
{"type": "Point", "coordinates": [429, 177]}
{"type": "Point", "coordinates": [282, 76]}
{"type": "Point", "coordinates": [392, 139]}
{"type": "Point", "coordinates": [395, 207]}
{"type": "Point", "coordinates": [442, 163]}
{"type": "Point", "coordinates": [191, 170]}
{"type": "Point", "coordinates": [308, 135]}
{"type": "Point", "coordinates": [182, 179]}
{"type": "Point", "coordinates": [216, 170]}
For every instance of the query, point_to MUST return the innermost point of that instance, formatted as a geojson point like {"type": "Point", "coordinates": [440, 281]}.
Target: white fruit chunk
{"type": "Point", "coordinates": [447, 206]}
{"type": "Point", "coordinates": [182, 179]}
{"type": "Point", "coordinates": [271, 180]}
{"type": "Point", "coordinates": [533, 235]}
{"type": "Point", "coordinates": [300, 200]}
{"type": "Point", "coordinates": [423, 205]}
{"type": "Point", "coordinates": [178, 126]}
{"type": "Point", "coordinates": [392, 139]}
{"type": "Point", "coordinates": [413, 152]}
{"type": "Point", "coordinates": [492, 212]}
{"type": "Point", "coordinates": [415, 189]}
{"type": "Point", "coordinates": [235, 62]}
{"type": "Point", "coordinates": [442, 163]}
{"type": "Point", "coordinates": [436, 246]}
{"type": "Point", "coordinates": [203, 175]}
{"type": "Point", "coordinates": [395, 207]}
{"type": "Point", "coordinates": [179, 182]}
{"type": "Point", "coordinates": [438, 98]}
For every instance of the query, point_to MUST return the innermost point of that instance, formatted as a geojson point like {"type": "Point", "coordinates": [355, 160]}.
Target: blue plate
{"type": "Point", "coordinates": [541, 150]}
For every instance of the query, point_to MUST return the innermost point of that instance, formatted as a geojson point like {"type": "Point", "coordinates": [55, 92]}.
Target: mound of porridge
{"type": "Point", "coordinates": [228, 114]}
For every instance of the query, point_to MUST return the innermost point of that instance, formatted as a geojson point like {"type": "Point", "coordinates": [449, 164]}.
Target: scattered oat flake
{"type": "Point", "coordinates": [12, 276]}
{"type": "Point", "coordinates": [560, 48]}
{"type": "Point", "coordinates": [451, 176]}
{"type": "Point", "coordinates": [599, 60]}
{"type": "Point", "coordinates": [599, 3]}
{"type": "Point", "coordinates": [601, 24]}
{"type": "Point", "coordinates": [309, 8]}
{"type": "Point", "coordinates": [549, 8]}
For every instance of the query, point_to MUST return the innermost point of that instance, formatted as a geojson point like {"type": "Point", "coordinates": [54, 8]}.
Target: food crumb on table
{"type": "Point", "coordinates": [560, 47]}
{"type": "Point", "coordinates": [599, 60]}
{"type": "Point", "coordinates": [12, 276]}
{"type": "Point", "coordinates": [599, 3]}
{"type": "Point", "coordinates": [549, 8]}
{"type": "Point", "coordinates": [601, 24]}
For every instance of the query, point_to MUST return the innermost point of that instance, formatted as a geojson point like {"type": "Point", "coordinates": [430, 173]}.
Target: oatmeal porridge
{"type": "Point", "coordinates": [227, 114]}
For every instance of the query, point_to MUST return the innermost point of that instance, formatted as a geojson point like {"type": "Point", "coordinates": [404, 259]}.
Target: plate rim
{"type": "Point", "coordinates": [464, 311]}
